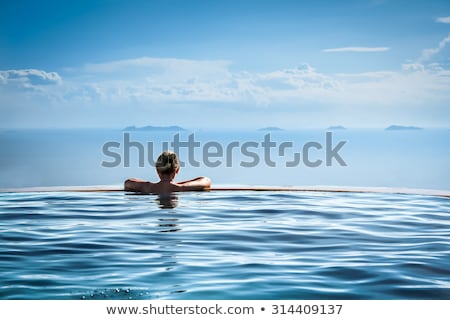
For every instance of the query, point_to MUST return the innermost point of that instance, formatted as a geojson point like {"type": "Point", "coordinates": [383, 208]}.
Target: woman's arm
{"type": "Point", "coordinates": [138, 185]}
{"type": "Point", "coordinates": [196, 184]}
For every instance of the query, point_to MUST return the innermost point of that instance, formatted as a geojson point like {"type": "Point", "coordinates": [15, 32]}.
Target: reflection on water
{"type": "Point", "coordinates": [168, 201]}
{"type": "Point", "coordinates": [168, 224]}
{"type": "Point", "coordinates": [169, 246]}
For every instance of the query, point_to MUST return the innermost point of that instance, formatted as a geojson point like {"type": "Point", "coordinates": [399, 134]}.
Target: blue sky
{"type": "Point", "coordinates": [226, 64]}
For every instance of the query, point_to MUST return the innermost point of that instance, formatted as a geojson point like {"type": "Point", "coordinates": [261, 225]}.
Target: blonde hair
{"type": "Point", "coordinates": [167, 163]}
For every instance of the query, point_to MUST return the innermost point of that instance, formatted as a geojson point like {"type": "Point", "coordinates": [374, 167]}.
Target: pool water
{"type": "Point", "coordinates": [224, 245]}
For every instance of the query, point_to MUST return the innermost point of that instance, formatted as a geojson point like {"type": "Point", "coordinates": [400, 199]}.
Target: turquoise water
{"type": "Point", "coordinates": [224, 245]}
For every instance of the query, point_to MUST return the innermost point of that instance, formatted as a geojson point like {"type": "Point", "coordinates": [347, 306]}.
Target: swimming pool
{"type": "Point", "coordinates": [224, 245]}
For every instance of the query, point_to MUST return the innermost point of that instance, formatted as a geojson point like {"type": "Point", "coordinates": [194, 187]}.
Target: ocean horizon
{"type": "Point", "coordinates": [365, 158]}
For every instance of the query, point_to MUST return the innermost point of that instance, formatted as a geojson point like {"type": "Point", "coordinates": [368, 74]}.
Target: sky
{"type": "Point", "coordinates": [224, 64]}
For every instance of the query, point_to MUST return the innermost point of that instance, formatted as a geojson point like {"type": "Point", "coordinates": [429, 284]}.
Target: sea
{"type": "Point", "coordinates": [58, 242]}
{"type": "Point", "coordinates": [353, 157]}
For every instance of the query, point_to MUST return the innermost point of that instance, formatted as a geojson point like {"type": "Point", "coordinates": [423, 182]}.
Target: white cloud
{"type": "Point", "coordinates": [427, 54]}
{"type": "Point", "coordinates": [415, 85]}
{"type": "Point", "coordinates": [299, 84]}
{"type": "Point", "coordinates": [358, 49]}
{"type": "Point", "coordinates": [148, 68]}
{"type": "Point", "coordinates": [155, 80]}
{"type": "Point", "coordinates": [176, 80]}
{"type": "Point", "coordinates": [150, 79]}
{"type": "Point", "coordinates": [413, 67]}
{"type": "Point", "coordinates": [29, 77]}
{"type": "Point", "coordinates": [367, 75]}
{"type": "Point", "coordinates": [181, 81]}
{"type": "Point", "coordinates": [443, 19]}
{"type": "Point", "coordinates": [123, 87]}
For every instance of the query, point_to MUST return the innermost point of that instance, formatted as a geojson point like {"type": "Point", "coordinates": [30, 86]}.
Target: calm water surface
{"type": "Point", "coordinates": [224, 245]}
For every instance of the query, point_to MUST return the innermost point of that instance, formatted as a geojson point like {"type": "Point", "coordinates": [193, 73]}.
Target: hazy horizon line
{"type": "Point", "coordinates": [263, 128]}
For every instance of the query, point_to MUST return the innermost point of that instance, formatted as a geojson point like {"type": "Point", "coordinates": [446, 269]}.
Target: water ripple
{"type": "Point", "coordinates": [224, 245]}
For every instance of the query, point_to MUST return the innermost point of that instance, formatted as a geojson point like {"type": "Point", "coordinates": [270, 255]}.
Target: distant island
{"type": "Point", "coordinates": [395, 127]}
{"type": "Point", "coordinates": [336, 128]}
{"type": "Point", "coordinates": [270, 129]}
{"type": "Point", "coordinates": [154, 128]}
